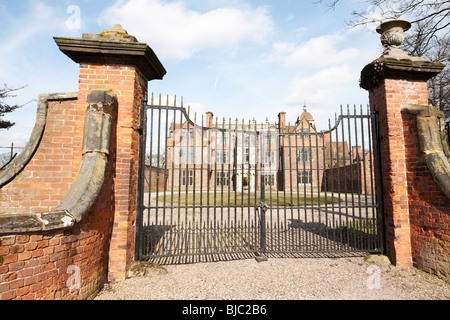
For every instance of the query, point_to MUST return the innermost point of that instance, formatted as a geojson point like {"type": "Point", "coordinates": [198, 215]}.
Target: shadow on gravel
{"type": "Point", "coordinates": [166, 244]}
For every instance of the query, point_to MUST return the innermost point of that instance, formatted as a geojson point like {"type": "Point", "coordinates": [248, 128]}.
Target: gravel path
{"type": "Point", "coordinates": [280, 279]}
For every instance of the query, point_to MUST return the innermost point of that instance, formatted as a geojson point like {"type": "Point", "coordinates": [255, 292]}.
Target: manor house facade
{"type": "Point", "coordinates": [238, 156]}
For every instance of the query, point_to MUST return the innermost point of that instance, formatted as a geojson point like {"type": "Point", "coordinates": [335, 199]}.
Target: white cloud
{"type": "Point", "coordinates": [25, 61]}
{"type": "Point", "coordinates": [174, 31]}
{"type": "Point", "coordinates": [19, 139]}
{"type": "Point", "coordinates": [314, 53]}
{"type": "Point", "coordinates": [24, 58]}
{"type": "Point", "coordinates": [39, 19]}
{"type": "Point", "coordinates": [195, 109]}
{"type": "Point", "coordinates": [290, 17]}
{"type": "Point", "coordinates": [323, 92]}
{"type": "Point", "coordinates": [319, 87]}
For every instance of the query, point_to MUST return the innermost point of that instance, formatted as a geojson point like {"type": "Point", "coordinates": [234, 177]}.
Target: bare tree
{"type": "Point", "coordinates": [439, 86]}
{"type": "Point", "coordinates": [428, 38]}
{"type": "Point", "coordinates": [156, 159]}
{"type": "Point", "coordinates": [435, 14]}
{"type": "Point", "coordinates": [434, 48]}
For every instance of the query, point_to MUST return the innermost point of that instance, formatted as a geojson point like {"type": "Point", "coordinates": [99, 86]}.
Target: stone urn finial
{"type": "Point", "coordinates": [392, 32]}
{"type": "Point", "coordinates": [114, 34]}
{"type": "Point", "coordinates": [392, 36]}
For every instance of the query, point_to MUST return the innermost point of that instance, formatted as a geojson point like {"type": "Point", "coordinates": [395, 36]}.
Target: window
{"type": "Point", "coordinates": [268, 157]}
{"type": "Point", "coordinates": [268, 178]}
{"type": "Point", "coordinates": [223, 138]}
{"type": "Point", "coordinates": [187, 178]}
{"type": "Point", "coordinates": [304, 177]}
{"type": "Point", "coordinates": [304, 155]}
{"type": "Point", "coordinates": [222, 156]}
{"type": "Point", "coordinates": [187, 133]}
{"type": "Point", "coordinates": [243, 155]}
{"type": "Point", "coordinates": [268, 139]}
{"type": "Point", "coordinates": [249, 139]}
{"type": "Point", "coordinates": [222, 178]}
{"type": "Point", "coordinates": [186, 155]}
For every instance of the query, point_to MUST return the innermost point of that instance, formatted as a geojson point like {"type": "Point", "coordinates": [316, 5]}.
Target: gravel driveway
{"type": "Point", "coordinates": [351, 278]}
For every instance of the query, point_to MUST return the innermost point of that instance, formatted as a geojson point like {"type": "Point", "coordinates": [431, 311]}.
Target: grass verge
{"type": "Point", "coordinates": [277, 198]}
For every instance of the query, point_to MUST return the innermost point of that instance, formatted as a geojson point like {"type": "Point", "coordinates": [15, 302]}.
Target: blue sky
{"type": "Point", "coordinates": [240, 59]}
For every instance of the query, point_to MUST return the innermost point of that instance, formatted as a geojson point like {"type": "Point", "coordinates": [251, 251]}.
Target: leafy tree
{"type": "Point", "coordinates": [5, 92]}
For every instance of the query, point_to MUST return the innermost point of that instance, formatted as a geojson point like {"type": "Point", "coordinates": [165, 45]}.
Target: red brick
{"type": "Point", "coordinates": [22, 239]}
{"type": "Point", "coordinates": [4, 287]}
{"type": "Point", "coordinates": [24, 256]}
{"type": "Point", "coordinates": [30, 280]}
{"type": "Point", "coordinates": [9, 295]}
{"type": "Point", "coordinates": [8, 241]}
{"type": "Point", "coordinates": [16, 284]}
{"type": "Point", "coordinates": [25, 273]}
{"type": "Point", "coordinates": [10, 258]}
{"type": "Point", "coordinates": [16, 266]}
{"type": "Point", "coordinates": [37, 253]}
{"type": "Point", "coordinates": [23, 291]}
{"type": "Point", "coordinates": [9, 277]}
{"type": "Point", "coordinates": [4, 250]}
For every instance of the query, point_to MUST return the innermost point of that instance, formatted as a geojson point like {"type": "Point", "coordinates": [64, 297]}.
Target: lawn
{"type": "Point", "coordinates": [275, 198]}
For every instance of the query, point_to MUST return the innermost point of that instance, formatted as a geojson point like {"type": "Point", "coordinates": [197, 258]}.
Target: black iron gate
{"type": "Point", "coordinates": [224, 190]}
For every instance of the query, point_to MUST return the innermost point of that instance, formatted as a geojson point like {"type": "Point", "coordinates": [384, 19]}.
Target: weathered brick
{"type": "Point", "coordinates": [24, 255]}
{"type": "Point", "coordinates": [22, 291]}
{"type": "Point", "coordinates": [8, 295]}
{"type": "Point", "coordinates": [16, 284]}
{"type": "Point", "coordinates": [10, 258]}
{"type": "Point", "coordinates": [408, 205]}
{"type": "Point", "coordinates": [7, 241]}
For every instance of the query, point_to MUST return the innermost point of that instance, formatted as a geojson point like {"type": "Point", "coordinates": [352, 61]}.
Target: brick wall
{"type": "Point", "coordinates": [49, 174]}
{"type": "Point", "coordinates": [48, 265]}
{"type": "Point", "coordinates": [429, 209]}
{"type": "Point", "coordinates": [354, 178]}
{"type": "Point", "coordinates": [44, 265]}
{"type": "Point", "coordinates": [159, 179]}
{"type": "Point", "coordinates": [36, 266]}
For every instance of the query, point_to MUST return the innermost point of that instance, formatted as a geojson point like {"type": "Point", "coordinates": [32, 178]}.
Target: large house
{"type": "Point", "coordinates": [238, 156]}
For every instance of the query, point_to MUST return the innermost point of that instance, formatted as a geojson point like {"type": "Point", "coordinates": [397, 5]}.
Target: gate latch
{"type": "Point", "coordinates": [264, 206]}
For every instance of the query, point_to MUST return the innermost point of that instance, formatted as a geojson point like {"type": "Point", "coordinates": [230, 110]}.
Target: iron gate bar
{"type": "Point", "coordinates": [379, 181]}
{"type": "Point", "coordinates": [173, 229]}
